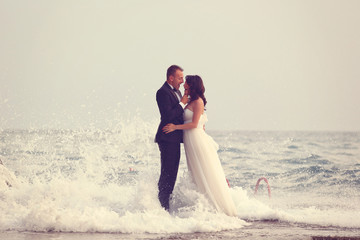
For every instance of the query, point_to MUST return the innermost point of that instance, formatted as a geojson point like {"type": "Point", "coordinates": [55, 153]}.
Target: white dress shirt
{"type": "Point", "coordinates": [178, 96]}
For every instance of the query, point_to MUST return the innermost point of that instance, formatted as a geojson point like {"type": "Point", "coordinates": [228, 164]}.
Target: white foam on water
{"type": "Point", "coordinates": [84, 206]}
{"type": "Point", "coordinates": [285, 209]}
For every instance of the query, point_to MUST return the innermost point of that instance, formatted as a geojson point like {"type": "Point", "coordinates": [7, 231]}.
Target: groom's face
{"type": "Point", "coordinates": [177, 79]}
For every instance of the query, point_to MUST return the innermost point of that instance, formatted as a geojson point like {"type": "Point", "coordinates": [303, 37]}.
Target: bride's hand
{"type": "Point", "coordinates": [169, 128]}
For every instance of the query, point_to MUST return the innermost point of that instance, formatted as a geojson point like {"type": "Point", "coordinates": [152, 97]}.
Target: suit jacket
{"type": "Point", "coordinates": [171, 112]}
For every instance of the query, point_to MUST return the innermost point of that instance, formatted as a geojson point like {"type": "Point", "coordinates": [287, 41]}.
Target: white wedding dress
{"type": "Point", "coordinates": [205, 166]}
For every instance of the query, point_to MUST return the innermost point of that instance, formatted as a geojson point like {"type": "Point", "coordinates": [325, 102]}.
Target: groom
{"type": "Point", "coordinates": [171, 106]}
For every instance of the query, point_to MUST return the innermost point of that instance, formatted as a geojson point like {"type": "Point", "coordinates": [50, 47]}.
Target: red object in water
{"type": "Point", "coordinates": [228, 182]}
{"type": "Point", "coordinates": [268, 185]}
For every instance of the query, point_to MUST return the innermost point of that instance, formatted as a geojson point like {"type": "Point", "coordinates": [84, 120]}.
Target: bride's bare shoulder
{"type": "Point", "coordinates": [198, 105]}
{"type": "Point", "coordinates": [199, 102]}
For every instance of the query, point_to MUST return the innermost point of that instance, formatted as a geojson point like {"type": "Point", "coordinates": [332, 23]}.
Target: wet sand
{"type": "Point", "coordinates": [257, 230]}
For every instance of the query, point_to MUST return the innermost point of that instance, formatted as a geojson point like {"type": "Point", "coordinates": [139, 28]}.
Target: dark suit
{"type": "Point", "coordinates": [169, 144]}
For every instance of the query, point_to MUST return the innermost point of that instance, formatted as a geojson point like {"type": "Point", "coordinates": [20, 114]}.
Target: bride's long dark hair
{"type": "Point", "coordinates": [196, 88]}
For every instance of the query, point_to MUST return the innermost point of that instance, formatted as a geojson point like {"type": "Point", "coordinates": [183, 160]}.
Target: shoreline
{"type": "Point", "coordinates": [276, 230]}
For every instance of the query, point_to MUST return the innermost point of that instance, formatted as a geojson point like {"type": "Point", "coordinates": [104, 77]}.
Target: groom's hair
{"type": "Point", "coordinates": [171, 70]}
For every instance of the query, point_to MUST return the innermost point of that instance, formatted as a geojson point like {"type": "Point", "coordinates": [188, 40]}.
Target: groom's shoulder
{"type": "Point", "coordinates": [163, 88]}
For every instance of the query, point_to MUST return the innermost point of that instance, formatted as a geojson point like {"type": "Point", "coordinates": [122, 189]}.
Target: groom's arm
{"type": "Point", "coordinates": [168, 110]}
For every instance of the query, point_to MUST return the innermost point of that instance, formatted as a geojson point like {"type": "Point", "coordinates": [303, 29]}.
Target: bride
{"type": "Point", "coordinates": [201, 150]}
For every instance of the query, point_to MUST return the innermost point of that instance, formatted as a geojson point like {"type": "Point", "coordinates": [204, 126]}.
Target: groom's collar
{"type": "Point", "coordinates": [170, 85]}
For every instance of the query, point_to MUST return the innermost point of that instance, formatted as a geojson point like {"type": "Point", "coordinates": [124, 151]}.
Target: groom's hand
{"type": "Point", "coordinates": [185, 99]}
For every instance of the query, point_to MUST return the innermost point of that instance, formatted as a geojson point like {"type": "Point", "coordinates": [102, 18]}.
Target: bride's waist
{"type": "Point", "coordinates": [200, 126]}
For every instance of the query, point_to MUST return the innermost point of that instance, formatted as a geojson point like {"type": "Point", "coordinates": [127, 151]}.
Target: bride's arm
{"type": "Point", "coordinates": [198, 109]}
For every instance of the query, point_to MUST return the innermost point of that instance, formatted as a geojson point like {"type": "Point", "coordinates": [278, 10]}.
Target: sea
{"type": "Point", "coordinates": [102, 184]}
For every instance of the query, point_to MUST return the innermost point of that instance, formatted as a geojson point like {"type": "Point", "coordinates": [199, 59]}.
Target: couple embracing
{"type": "Point", "coordinates": [182, 121]}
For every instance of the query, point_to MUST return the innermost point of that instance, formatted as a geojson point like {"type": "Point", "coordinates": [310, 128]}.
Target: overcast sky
{"type": "Point", "coordinates": [266, 65]}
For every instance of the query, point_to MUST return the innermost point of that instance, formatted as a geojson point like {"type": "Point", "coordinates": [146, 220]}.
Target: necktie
{"type": "Point", "coordinates": [177, 93]}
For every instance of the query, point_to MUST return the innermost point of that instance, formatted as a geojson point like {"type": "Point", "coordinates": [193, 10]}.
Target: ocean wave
{"type": "Point", "coordinates": [106, 181]}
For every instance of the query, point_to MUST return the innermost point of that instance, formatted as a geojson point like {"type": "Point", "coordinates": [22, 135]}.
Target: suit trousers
{"type": "Point", "coordinates": [170, 158]}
